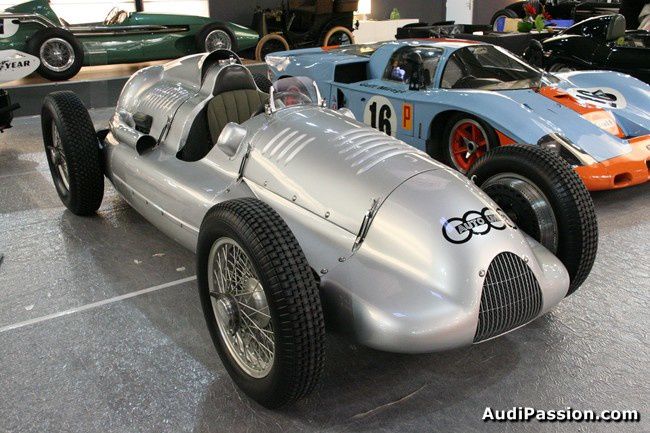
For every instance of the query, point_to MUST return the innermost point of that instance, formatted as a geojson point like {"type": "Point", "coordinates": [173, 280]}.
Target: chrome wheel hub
{"type": "Point", "coordinates": [240, 308]}
{"type": "Point", "coordinates": [57, 54]}
{"type": "Point", "coordinates": [526, 205]}
{"type": "Point", "coordinates": [471, 147]}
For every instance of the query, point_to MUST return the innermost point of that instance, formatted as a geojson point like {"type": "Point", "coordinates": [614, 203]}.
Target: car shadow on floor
{"type": "Point", "coordinates": [357, 383]}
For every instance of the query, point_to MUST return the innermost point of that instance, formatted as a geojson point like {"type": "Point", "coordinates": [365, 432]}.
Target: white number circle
{"type": "Point", "coordinates": [380, 114]}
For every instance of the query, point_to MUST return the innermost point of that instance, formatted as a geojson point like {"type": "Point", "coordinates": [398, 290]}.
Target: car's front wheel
{"type": "Point", "coordinates": [60, 53]}
{"type": "Point", "coordinates": [338, 36]}
{"type": "Point", "coordinates": [271, 43]}
{"type": "Point", "coordinates": [545, 197]}
{"type": "Point", "coordinates": [261, 302]}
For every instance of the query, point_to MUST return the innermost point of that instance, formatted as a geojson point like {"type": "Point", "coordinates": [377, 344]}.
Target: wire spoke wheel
{"type": "Point", "coordinates": [218, 40]}
{"type": "Point", "coordinates": [57, 156]}
{"type": "Point", "coordinates": [57, 54]}
{"type": "Point", "coordinates": [241, 308]}
{"type": "Point", "coordinates": [468, 141]}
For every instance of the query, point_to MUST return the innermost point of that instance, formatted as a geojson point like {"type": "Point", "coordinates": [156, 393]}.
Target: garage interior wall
{"type": "Point", "coordinates": [80, 11]}
{"type": "Point", "coordinates": [484, 9]}
{"type": "Point", "coordinates": [241, 11]}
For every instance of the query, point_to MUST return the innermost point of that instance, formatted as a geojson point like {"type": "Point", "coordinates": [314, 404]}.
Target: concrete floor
{"type": "Point", "coordinates": [146, 363]}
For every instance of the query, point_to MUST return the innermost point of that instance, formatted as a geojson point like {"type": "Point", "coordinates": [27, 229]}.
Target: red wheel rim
{"type": "Point", "coordinates": [467, 143]}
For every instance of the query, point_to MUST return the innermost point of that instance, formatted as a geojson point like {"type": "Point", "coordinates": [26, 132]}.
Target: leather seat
{"type": "Point", "coordinates": [236, 99]}
{"type": "Point", "coordinates": [616, 28]}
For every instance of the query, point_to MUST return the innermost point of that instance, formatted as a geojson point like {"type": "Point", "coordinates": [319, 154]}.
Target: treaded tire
{"type": "Point", "coordinates": [291, 290]}
{"type": "Point", "coordinates": [81, 149]}
{"type": "Point", "coordinates": [39, 38]}
{"type": "Point", "coordinates": [567, 194]}
{"type": "Point", "coordinates": [205, 31]}
{"type": "Point", "coordinates": [262, 82]}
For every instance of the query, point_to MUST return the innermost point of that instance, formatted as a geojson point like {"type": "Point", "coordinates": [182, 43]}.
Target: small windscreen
{"type": "Point", "coordinates": [292, 91]}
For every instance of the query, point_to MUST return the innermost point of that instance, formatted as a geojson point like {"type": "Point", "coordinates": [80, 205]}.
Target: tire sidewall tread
{"type": "Point", "coordinates": [292, 294]}
{"type": "Point", "coordinates": [81, 148]}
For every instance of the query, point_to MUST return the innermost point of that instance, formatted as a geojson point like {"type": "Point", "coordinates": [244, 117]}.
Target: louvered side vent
{"type": "Point", "coordinates": [363, 149]}
{"type": "Point", "coordinates": [511, 297]}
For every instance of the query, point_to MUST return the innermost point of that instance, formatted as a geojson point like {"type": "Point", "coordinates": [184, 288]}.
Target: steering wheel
{"type": "Point", "coordinates": [463, 82]}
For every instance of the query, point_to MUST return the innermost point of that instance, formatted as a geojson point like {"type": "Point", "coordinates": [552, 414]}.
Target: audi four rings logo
{"type": "Point", "coordinates": [473, 222]}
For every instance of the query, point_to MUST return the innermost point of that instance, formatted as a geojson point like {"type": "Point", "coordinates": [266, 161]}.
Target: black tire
{"type": "Point", "coordinates": [48, 36]}
{"type": "Point", "coordinates": [202, 36]}
{"type": "Point", "coordinates": [445, 151]}
{"type": "Point", "coordinates": [85, 184]}
{"type": "Point", "coordinates": [508, 13]}
{"type": "Point", "coordinates": [291, 291]}
{"type": "Point", "coordinates": [262, 82]}
{"type": "Point", "coordinates": [572, 206]}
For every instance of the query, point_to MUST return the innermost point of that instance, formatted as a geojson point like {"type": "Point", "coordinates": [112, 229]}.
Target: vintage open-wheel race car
{"type": "Point", "coordinates": [304, 23]}
{"type": "Point", "coordinates": [300, 215]}
{"type": "Point", "coordinates": [123, 37]}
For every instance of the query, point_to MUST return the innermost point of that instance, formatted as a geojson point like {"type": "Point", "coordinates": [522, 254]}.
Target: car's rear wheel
{"type": "Point", "coordinates": [216, 36]}
{"type": "Point", "coordinates": [59, 52]}
{"type": "Point", "coordinates": [73, 153]}
{"type": "Point", "coordinates": [465, 139]}
{"type": "Point", "coordinates": [338, 36]}
{"type": "Point", "coordinates": [540, 192]}
{"type": "Point", "coordinates": [261, 302]}
{"type": "Point", "coordinates": [271, 43]}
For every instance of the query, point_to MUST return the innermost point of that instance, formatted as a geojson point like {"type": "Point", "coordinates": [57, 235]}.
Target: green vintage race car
{"type": "Point", "coordinates": [123, 37]}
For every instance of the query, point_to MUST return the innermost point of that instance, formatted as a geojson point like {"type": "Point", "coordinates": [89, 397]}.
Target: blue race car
{"type": "Point", "coordinates": [456, 99]}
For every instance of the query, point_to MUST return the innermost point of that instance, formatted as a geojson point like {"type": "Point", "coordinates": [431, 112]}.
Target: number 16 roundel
{"type": "Point", "coordinates": [380, 114]}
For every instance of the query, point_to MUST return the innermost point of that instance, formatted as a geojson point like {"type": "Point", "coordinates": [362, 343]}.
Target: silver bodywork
{"type": "Point", "coordinates": [369, 211]}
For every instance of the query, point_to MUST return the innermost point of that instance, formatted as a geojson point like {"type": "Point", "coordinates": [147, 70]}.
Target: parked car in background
{"type": "Point", "coordinates": [458, 99]}
{"type": "Point", "coordinates": [596, 43]}
{"type": "Point", "coordinates": [304, 23]}
{"type": "Point", "coordinates": [123, 37]}
{"type": "Point", "coordinates": [571, 10]}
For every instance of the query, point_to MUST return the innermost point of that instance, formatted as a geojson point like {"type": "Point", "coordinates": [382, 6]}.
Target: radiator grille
{"type": "Point", "coordinates": [511, 297]}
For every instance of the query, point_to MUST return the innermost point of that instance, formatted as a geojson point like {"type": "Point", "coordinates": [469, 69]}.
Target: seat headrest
{"type": "Point", "coordinates": [234, 77]}
{"type": "Point", "coordinates": [616, 28]}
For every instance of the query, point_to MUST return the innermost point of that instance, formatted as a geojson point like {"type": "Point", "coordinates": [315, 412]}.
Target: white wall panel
{"type": "Point", "coordinates": [77, 11]}
{"type": "Point", "coordinates": [185, 7]}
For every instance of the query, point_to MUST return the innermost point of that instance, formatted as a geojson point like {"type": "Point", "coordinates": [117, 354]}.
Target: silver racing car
{"type": "Point", "coordinates": [301, 216]}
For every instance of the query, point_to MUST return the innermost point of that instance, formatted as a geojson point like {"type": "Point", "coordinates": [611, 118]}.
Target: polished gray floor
{"type": "Point", "coordinates": [146, 363]}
